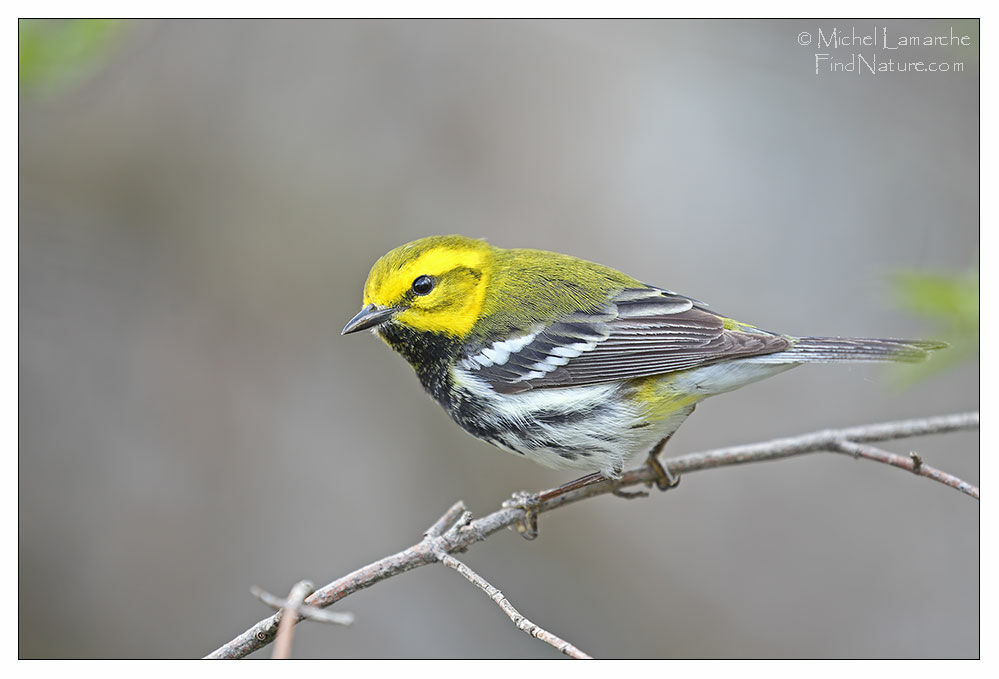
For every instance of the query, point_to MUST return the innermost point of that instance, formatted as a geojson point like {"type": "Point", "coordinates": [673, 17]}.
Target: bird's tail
{"type": "Point", "coordinates": [835, 349]}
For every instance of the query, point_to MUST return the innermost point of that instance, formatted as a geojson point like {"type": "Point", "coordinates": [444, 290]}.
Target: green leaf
{"type": "Point", "coordinates": [950, 302]}
{"type": "Point", "coordinates": [54, 52]}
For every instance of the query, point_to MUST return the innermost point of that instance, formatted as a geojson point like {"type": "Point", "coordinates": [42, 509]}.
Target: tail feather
{"type": "Point", "coordinates": [834, 349]}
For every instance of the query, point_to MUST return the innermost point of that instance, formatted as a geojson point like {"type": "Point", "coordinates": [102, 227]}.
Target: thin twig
{"type": "Point", "coordinates": [449, 518]}
{"type": "Point", "coordinates": [914, 463]}
{"type": "Point", "coordinates": [345, 618]}
{"type": "Point", "coordinates": [289, 616]}
{"type": "Point", "coordinates": [518, 619]}
{"type": "Point", "coordinates": [464, 533]}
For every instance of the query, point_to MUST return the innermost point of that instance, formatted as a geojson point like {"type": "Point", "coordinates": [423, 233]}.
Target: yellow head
{"type": "Point", "coordinates": [455, 287]}
{"type": "Point", "coordinates": [435, 284]}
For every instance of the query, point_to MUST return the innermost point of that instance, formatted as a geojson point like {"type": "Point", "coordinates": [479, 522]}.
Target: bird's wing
{"type": "Point", "coordinates": [639, 332]}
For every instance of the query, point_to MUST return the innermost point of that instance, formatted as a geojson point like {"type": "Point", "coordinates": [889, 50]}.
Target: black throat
{"type": "Point", "coordinates": [430, 354]}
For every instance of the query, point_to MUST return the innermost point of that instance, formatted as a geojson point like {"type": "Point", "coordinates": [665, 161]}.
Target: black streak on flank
{"type": "Point", "coordinates": [560, 418]}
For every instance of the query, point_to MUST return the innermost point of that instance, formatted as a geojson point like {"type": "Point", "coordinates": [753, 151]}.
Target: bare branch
{"type": "Point", "coordinates": [449, 518]}
{"type": "Point", "coordinates": [464, 532]}
{"type": "Point", "coordinates": [776, 449]}
{"type": "Point", "coordinates": [519, 620]}
{"type": "Point", "coordinates": [914, 463]}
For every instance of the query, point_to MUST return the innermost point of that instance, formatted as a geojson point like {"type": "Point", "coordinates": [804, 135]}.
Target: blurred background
{"type": "Point", "coordinates": [200, 202]}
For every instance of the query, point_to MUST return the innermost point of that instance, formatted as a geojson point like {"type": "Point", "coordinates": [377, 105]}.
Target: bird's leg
{"type": "Point", "coordinates": [581, 482]}
{"type": "Point", "coordinates": [530, 502]}
{"type": "Point", "coordinates": [664, 478]}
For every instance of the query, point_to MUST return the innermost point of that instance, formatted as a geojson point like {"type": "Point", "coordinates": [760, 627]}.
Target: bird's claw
{"type": "Point", "coordinates": [664, 478]}
{"type": "Point", "coordinates": [528, 502]}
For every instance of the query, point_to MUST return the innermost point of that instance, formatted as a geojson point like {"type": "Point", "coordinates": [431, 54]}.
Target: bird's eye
{"type": "Point", "coordinates": [423, 285]}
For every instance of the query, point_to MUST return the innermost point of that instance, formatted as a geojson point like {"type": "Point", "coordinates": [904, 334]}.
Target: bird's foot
{"type": "Point", "coordinates": [665, 479]}
{"type": "Point", "coordinates": [529, 503]}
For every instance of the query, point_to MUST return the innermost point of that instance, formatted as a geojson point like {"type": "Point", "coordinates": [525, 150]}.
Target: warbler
{"type": "Point", "coordinates": [568, 363]}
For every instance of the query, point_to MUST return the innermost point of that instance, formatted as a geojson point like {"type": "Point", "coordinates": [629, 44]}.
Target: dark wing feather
{"type": "Point", "coordinates": [640, 332]}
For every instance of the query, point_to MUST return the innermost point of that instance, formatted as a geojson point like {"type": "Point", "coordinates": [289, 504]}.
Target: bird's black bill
{"type": "Point", "coordinates": [368, 317]}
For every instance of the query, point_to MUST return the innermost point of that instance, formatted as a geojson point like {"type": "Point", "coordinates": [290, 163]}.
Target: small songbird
{"type": "Point", "coordinates": [569, 363]}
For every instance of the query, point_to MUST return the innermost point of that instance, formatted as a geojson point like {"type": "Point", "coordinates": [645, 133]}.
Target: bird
{"type": "Point", "coordinates": [569, 363]}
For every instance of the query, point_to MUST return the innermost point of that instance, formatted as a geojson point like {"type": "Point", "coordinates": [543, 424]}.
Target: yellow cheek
{"type": "Point", "coordinates": [457, 322]}
{"type": "Point", "coordinates": [453, 311]}
{"type": "Point", "coordinates": [453, 308]}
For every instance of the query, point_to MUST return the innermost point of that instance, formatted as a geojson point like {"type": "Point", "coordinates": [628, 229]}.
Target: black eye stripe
{"type": "Point", "coordinates": [423, 285]}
